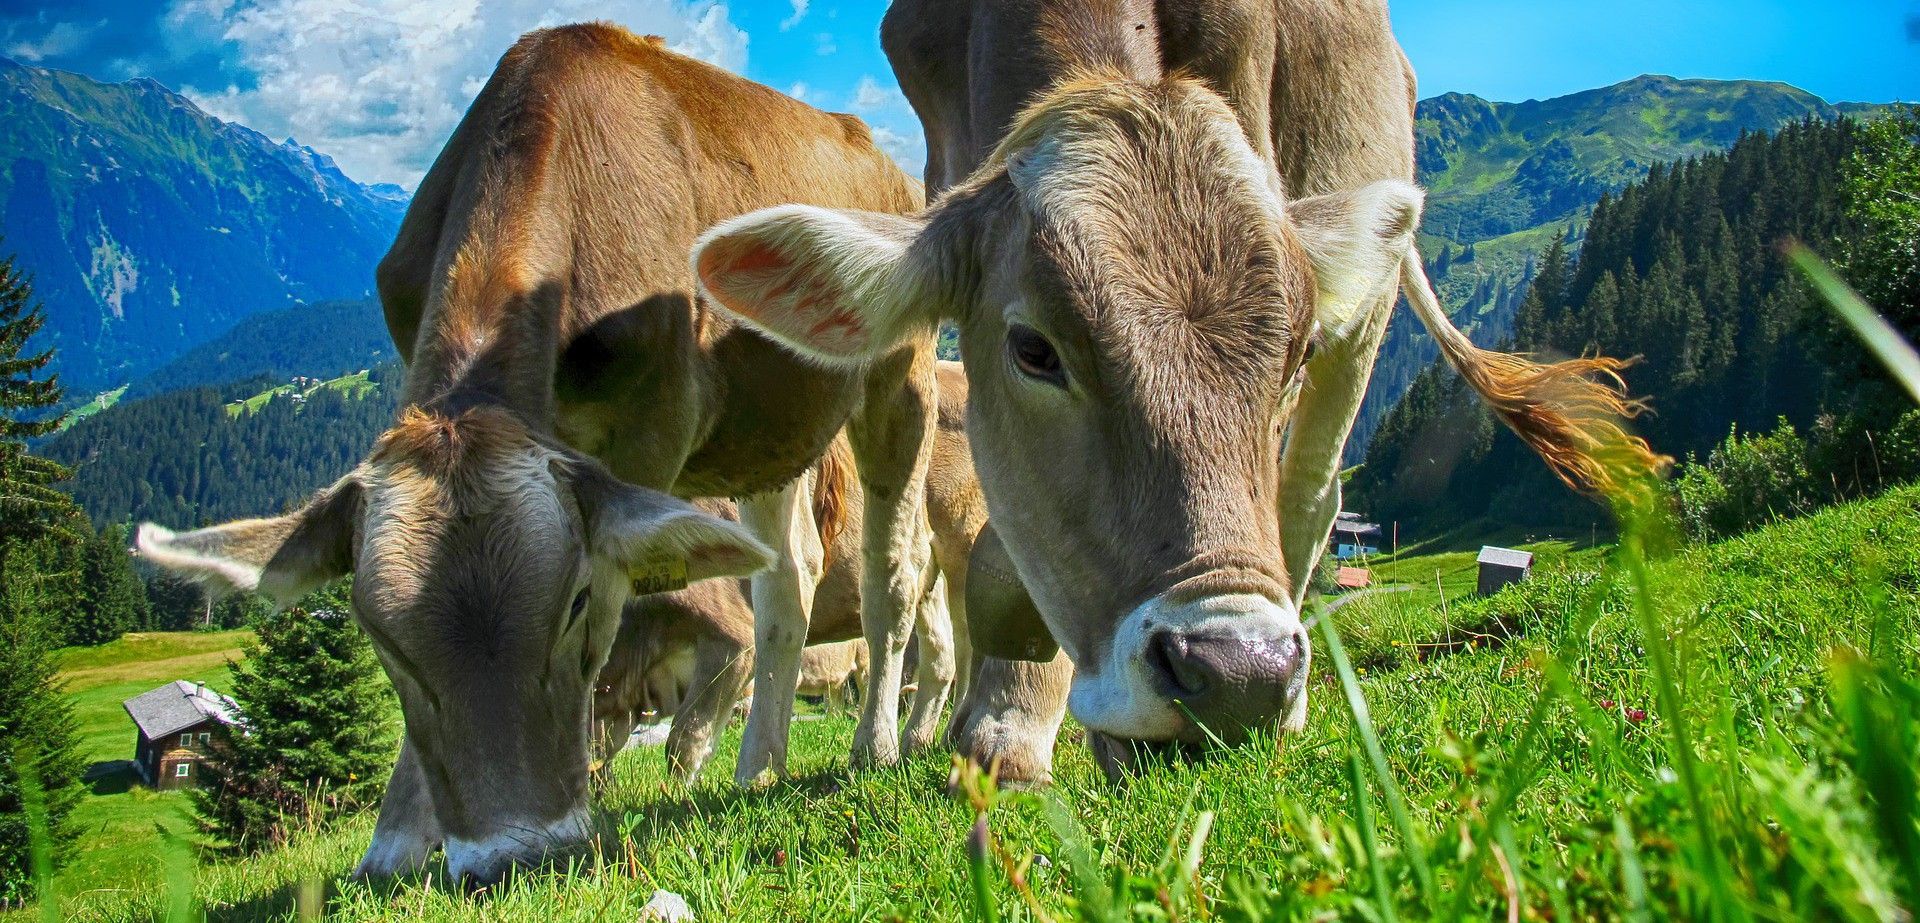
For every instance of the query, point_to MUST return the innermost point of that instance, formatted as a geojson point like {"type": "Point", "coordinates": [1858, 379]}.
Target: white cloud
{"type": "Point", "coordinates": [907, 148]}
{"type": "Point", "coordinates": [63, 38]}
{"type": "Point", "coordinates": [825, 44]}
{"type": "Point", "coordinates": [799, 13]}
{"type": "Point", "coordinates": [871, 98]}
{"type": "Point", "coordinates": [799, 91]}
{"type": "Point", "coordinates": [380, 84]}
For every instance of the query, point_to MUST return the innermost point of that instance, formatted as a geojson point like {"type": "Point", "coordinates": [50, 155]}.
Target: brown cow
{"type": "Point", "coordinates": [686, 654]}
{"type": "Point", "coordinates": [1150, 216]}
{"type": "Point", "coordinates": [557, 353]}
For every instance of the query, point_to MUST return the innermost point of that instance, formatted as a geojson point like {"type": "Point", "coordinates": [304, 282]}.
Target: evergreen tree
{"type": "Point", "coordinates": [319, 731]}
{"type": "Point", "coordinates": [112, 599]}
{"type": "Point", "coordinates": [37, 527]}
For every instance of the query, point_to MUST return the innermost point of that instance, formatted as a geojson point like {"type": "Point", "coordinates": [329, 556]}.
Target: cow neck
{"type": "Point", "coordinates": [506, 363]}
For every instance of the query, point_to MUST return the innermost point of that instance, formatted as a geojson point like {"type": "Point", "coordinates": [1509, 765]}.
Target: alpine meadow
{"type": "Point", "coordinates": [959, 460]}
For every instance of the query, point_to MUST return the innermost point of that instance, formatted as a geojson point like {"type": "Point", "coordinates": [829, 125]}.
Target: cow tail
{"type": "Point", "coordinates": [1570, 413]}
{"type": "Point", "coordinates": [832, 479]}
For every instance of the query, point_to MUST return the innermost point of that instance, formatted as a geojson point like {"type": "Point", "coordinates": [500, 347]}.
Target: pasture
{"type": "Point", "coordinates": [1536, 755]}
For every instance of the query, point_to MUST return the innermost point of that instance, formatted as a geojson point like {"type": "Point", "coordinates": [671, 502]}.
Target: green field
{"type": "Point", "coordinates": [354, 386]}
{"type": "Point", "coordinates": [101, 401]}
{"type": "Point", "coordinates": [117, 818]}
{"type": "Point", "coordinates": [1536, 755]}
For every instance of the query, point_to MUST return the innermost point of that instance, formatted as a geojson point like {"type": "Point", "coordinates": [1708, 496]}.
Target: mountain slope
{"type": "Point", "coordinates": [1506, 178]}
{"type": "Point", "coordinates": [316, 341]}
{"type": "Point", "coordinates": [150, 226]}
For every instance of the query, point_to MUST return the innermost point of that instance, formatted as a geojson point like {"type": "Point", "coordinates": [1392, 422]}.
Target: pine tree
{"type": "Point", "coordinates": [112, 599]}
{"type": "Point", "coordinates": [29, 507]}
{"type": "Point", "coordinates": [37, 526]}
{"type": "Point", "coordinates": [319, 731]}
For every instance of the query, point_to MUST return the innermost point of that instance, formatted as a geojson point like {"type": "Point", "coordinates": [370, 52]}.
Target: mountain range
{"type": "Point", "coordinates": [154, 231]}
{"type": "Point", "coordinates": [149, 226]}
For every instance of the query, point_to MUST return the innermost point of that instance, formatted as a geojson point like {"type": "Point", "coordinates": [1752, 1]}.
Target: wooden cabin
{"type": "Point", "coordinates": [176, 727]}
{"type": "Point", "coordinates": [1503, 567]}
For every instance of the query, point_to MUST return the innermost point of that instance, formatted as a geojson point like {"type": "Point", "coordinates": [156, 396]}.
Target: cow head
{"type": "Point", "coordinates": [1135, 300]}
{"type": "Point", "coordinates": [490, 568]}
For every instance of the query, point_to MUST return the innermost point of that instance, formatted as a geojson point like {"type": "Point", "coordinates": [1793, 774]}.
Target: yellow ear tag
{"type": "Point", "coordinates": [659, 575]}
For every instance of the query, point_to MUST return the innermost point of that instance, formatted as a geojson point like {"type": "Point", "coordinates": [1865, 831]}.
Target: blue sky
{"type": "Point", "coordinates": [380, 83]}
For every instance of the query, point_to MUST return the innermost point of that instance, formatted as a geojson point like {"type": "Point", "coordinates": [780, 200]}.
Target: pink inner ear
{"type": "Point", "coordinates": [756, 280]}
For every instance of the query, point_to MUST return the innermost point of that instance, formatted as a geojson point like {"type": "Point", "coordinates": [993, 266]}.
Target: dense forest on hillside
{"type": "Point", "coordinates": [182, 460]}
{"type": "Point", "coordinates": [320, 340]}
{"type": "Point", "coordinates": [1683, 270]}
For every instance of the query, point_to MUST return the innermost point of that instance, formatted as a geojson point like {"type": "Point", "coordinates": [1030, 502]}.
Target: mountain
{"type": "Point", "coordinates": [1504, 179]}
{"type": "Point", "coordinates": [315, 341]}
{"type": "Point", "coordinates": [150, 227]}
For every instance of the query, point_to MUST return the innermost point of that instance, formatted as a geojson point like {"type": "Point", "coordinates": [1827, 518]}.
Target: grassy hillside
{"type": "Point", "coordinates": [1526, 737]}
{"type": "Point", "coordinates": [118, 819]}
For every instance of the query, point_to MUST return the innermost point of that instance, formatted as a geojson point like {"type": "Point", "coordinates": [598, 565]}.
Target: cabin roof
{"type": "Point", "coordinates": [1506, 557]}
{"type": "Point", "coordinates": [1353, 578]}
{"type": "Point", "coordinates": [177, 706]}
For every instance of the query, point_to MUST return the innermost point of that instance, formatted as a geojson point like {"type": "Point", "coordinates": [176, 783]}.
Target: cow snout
{"type": "Point", "coordinates": [1231, 682]}
{"type": "Point", "coordinates": [490, 859]}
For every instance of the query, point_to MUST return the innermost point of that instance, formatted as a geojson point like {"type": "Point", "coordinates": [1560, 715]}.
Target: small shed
{"type": "Point", "coordinates": [1501, 567]}
{"type": "Point", "coordinates": [176, 727]}
{"type": "Point", "coordinates": [1353, 578]}
{"type": "Point", "coordinates": [1353, 537]}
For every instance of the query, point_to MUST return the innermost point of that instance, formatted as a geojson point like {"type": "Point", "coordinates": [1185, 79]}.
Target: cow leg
{"type": "Point", "coordinates": [722, 667]}
{"type": "Point", "coordinates": [1310, 468]}
{"type": "Point", "coordinates": [407, 833]}
{"type": "Point", "coordinates": [1011, 717]}
{"type": "Point", "coordinates": [611, 731]}
{"type": "Point", "coordinates": [934, 673]}
{"type": "Point", "coordinates": [782, 608]}
{"type": "Point", "coordinates": [892, 436]}
{"type": "Point", "coordinates": [955, 583]}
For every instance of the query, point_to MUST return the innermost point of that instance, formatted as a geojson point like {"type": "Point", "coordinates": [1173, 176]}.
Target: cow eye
{"type": "Point", "coordinates": [1034, 356]}
{"type": "Point", "coordinates": [579, 606]}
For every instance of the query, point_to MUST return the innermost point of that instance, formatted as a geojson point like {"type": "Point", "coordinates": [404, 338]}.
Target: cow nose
{"type": "Point", "coordinates": [1230, 683]}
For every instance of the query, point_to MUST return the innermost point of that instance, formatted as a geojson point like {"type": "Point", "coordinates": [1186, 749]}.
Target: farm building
{"type": "Point", "coordinates": [176, 726]}
{"type": "Point", "coordinates": [1353, 538]}
{"type": "Point", "coordinates": [1501, 567]}
{"type": "Point", "coordinates": [1353, 578]}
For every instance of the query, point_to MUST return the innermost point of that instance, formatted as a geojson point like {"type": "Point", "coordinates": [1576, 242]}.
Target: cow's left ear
{"type": "Point", "coordinates": [662, 542]}
{"type": "Point", "coordinates": [838, 286]}
{"type": "Point", "coordinates": [1356, 241]}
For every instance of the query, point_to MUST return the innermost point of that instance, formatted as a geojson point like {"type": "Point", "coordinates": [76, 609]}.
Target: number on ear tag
{"type": "Point", "coordinates": [1002, 620]}
{"type": "Point", "coordinates": [659, 575]}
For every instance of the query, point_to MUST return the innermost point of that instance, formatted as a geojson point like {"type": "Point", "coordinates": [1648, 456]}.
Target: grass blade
{"type": "Point", "coordinates": [1377, 755]}
{"type": "Point", "coordinates": [1363, 818]}
{"type": "Point", "coordinates": [1880, 337]}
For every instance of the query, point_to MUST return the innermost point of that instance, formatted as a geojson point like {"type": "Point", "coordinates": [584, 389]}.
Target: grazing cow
{"type": "Point", "coordinates": [687, 653]}
{"type": "Point", "coordinates": [1170, 236]}
{"type": "Point", "coordinates": [557, 353]}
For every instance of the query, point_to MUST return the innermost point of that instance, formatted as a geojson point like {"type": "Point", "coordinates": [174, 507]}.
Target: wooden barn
{"type": "Point", "coordinates": [1354, 538]}
{"type": "Point", "coordinates": [1502, 567]}
{"type": "Point", "coordinates": [176, 726]}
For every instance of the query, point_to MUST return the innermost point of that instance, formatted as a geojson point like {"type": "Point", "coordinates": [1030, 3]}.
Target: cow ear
{"type": "Point", "coordinates": [282, 558]}
{"type": "Point", "coordinates": [661, 542]}
{"type": "Point", "coordinates": [1356, 241]}
{"type": "Point", "coordinates": [841, 287]}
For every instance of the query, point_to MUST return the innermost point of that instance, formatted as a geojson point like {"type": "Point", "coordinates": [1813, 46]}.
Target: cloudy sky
{"type": "Point", "coordinates": [379, 84]}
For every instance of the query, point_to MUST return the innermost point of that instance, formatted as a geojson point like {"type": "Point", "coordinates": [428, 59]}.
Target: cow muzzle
{"type": "Point", "coordinates": [488, 859]}
{"type": "Point", "coordinates": [1214, 668]}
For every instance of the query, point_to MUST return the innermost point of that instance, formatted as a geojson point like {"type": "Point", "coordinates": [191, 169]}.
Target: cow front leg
{"type": "Point", "coordinates": [892, 436]}
{"type": "Point", "coordinates": [407, 833]}
{"type": "Point", "coordinates": [1309, 498]}
{"type": "Point", "coordinates": [1011, 717]}
{"type": "Point", "coordinates": [782, 609]}
{"type": "Point", "coordinates": [722, 668]}
{"type": "Point", "coordinates": [934, 675]}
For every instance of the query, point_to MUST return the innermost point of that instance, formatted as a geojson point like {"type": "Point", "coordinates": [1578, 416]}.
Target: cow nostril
{"type": "Point", "coordinates": [1184, 676]}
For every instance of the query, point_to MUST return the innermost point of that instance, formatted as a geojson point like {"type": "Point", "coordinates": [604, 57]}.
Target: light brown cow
{"type": "Point", "coordinates": [557, 353]}
{"type": "Point", "coordinates": [1150, 215]}
{"type": "Point", "coordinates": [686, 654]}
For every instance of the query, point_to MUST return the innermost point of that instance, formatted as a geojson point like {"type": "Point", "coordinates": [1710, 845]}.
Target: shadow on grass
{"type": "Point", "coordinates": [110, 777]}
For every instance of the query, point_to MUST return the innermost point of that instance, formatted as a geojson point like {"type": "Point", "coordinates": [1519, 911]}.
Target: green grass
{"type": "Point", "coordinates": [1744, 760]}
{"type": "Point", "coordinates": [117, 819]}
{"type": "Point", "coordinates": [101, 401]}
